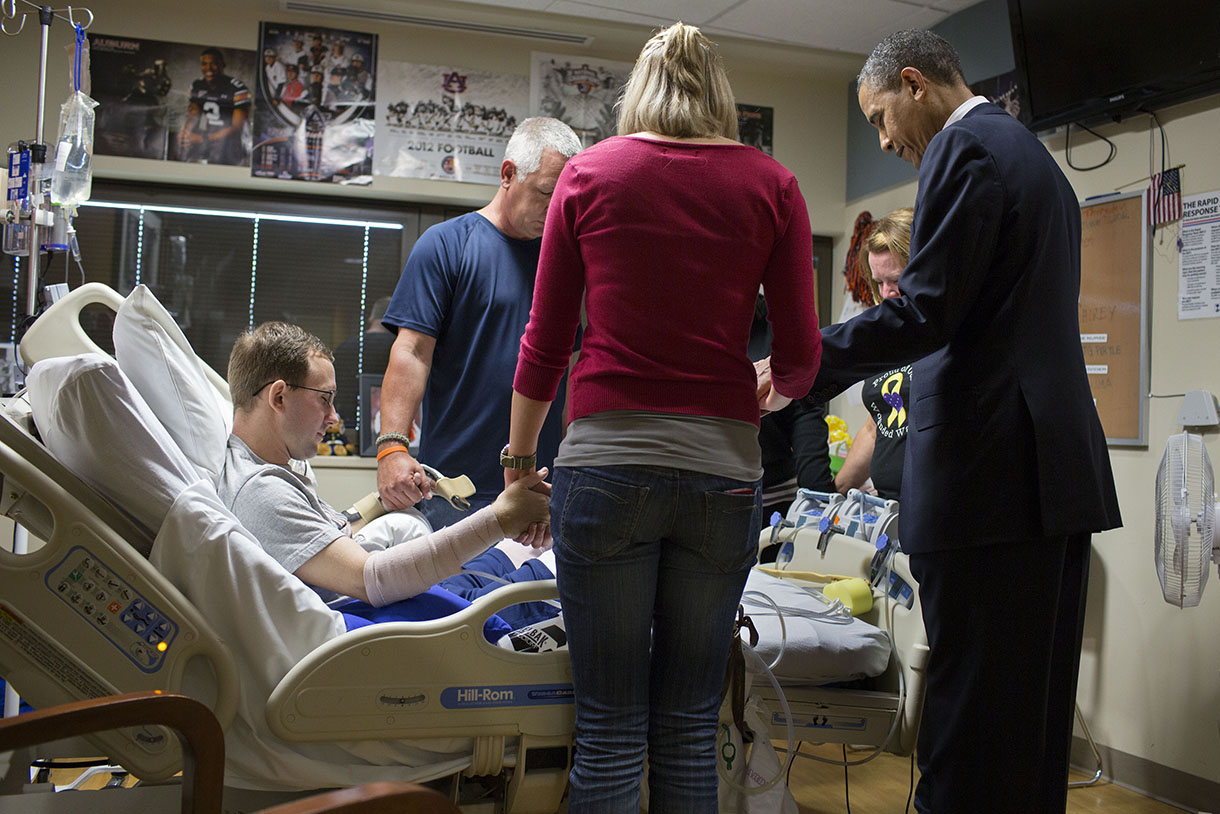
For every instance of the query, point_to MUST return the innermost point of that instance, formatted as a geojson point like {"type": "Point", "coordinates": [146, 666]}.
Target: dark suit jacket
{"type": "Point", "coordinates": [1005, 442]}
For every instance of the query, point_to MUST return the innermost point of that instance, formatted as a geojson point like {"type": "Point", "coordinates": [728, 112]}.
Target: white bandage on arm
{"type": "Point", "coordinates": [414, 566]}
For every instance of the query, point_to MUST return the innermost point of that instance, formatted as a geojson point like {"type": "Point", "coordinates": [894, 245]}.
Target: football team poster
{"type": "Point", "coordinates": [579, 91]}
{"type": "Point", "coordinates": [314, 104]}
{"type": "Point", "coordinates": [446, 123]}
{"type": "Point", "coordinates": [171, 100]}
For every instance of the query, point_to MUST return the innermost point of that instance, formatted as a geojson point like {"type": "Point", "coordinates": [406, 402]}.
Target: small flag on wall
{"type": "Point", "coordinates": [1165, 197]}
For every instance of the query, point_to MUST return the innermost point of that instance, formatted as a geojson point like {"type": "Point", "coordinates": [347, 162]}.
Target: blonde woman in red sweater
{"type": "Point", "coordinates": [665, 233]}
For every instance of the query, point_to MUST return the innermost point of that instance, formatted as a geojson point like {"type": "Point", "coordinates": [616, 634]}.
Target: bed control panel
{"type": "Point", "coordinates": [132, 623]}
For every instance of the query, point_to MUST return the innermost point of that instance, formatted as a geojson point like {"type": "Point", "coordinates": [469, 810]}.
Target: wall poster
{"type": "Point", "coordinates": [171, 100]}
{"type": "Point", "coordinates": [446, 123]}
{"type": "Point", "coordinates": [755, 126]}
{"type": "Point", "coordinates": [1199, 257]}
{"type": "Point", "coordinates": [579, 91]}
{"type": "Point", "coordinates": [314, 102]}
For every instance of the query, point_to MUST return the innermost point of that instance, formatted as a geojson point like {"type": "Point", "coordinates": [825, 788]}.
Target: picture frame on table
{"type": "Point", "coordinates": [370, 412]}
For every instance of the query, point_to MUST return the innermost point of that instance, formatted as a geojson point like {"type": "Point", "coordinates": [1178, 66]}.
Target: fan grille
{"type": "Point", "coordinates": [1185, 505]}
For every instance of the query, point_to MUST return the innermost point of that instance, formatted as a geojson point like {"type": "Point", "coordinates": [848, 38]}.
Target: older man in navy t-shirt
{"type": "Point", "coordinates": [459, 310]}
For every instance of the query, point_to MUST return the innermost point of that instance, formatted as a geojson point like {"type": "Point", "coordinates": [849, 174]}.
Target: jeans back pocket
{"type": "Point", "coordinates": [599, 515]}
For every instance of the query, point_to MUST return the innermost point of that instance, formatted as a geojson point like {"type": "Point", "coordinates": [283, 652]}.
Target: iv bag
{"type": "Point", "coordinates": [72, 176]}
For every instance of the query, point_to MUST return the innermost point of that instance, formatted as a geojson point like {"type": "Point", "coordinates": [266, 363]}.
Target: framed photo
{"type": "Point", "coordinates": [370, 412]}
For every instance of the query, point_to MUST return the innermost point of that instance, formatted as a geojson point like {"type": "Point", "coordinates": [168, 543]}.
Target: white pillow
{"type": "Point", "coordinates": [158, 359]}
{"type": "Point", "coordinates": [94, 421]}
{"type": "Point", "coordinates": [816, 649]}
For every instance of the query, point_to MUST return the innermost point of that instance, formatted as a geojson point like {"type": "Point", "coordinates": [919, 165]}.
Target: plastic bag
{"type": "Point", "coordinates": [72, 176]}
{"type": "Point", "coordinates": [750, 768]}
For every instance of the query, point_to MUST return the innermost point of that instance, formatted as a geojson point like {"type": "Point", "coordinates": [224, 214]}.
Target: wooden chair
{"type": "Point", "coordinates": [203, 754]}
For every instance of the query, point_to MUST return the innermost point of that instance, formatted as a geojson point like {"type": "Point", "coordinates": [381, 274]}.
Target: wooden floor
{"type": "Point", "coordinates": [882, 786]}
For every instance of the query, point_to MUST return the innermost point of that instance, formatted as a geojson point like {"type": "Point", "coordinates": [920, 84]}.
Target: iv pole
{"type": "Point", "coordinates": [39, 215]}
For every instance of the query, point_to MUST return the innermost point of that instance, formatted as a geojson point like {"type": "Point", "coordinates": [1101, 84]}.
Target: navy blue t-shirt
{"type": "Point", "coordinates": [470, 286]}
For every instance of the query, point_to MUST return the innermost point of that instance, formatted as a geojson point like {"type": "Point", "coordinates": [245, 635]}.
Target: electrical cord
{"type": "Point", "coordinates": [1067, 149]}
{"type": "Point", "coordinates": [910, 786]}
{"type": "Point", "coordinates": [1160, 185]}
{"type": "Point", "coordinates": [846, 784]}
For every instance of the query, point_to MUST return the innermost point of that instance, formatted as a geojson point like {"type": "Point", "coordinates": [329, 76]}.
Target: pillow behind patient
{"type": "Point", "coordinates": [156, 356]}
{"type": "Point", "coordinates": [94, 421]}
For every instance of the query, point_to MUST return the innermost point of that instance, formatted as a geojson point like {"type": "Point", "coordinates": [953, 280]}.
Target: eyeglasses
{"type": "Point", "coordinates": [330, 394]}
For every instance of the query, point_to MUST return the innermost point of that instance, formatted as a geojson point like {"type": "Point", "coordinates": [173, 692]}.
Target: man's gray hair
{"type": "Point", "coordinates": [928, 53]}
{"type": "Point", "coordinates": [533, 137]}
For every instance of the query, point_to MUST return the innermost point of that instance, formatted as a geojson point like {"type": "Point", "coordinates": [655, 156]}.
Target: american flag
{"type": "Point", "coordinates": [1165, 198]}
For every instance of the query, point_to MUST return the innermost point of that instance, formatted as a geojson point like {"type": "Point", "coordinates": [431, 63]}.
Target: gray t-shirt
{"type": "Point", "coordinates": [280, 508]}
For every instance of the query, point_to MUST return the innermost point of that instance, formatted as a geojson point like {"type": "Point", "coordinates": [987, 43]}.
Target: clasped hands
{"type": "Point", "coordinates": [769, 401]}
{"type": "Point", "coordinates": [522, 509]}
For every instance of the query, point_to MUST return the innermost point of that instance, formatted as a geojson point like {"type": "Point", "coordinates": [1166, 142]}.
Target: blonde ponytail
{"type": "Point", "coordinates": [678, 88]}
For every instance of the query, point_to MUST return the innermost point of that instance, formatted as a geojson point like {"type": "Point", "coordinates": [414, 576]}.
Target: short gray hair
{"type": "Point", "coordinates": [533, 137]}
{"type": "Point", "coordinates": [928, 53]}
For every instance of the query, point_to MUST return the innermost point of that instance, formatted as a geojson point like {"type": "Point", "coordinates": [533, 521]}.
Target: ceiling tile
{"type": "Point", "coordinates": [575, 9]}
{"type": "Point", "coordinates": [530, 5]}
{"type": "Point", "coordinates": [854, 26]}
{"type": "Point", "coordinates": [842, 25]}
{"type": "Point", "coordinates": [694, 12]}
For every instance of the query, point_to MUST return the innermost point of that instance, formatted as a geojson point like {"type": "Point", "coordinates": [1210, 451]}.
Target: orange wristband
{"type": "Point", "coordinates": [391, 451]}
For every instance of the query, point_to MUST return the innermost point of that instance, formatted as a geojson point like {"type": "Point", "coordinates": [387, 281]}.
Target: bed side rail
{"type": "Point", "coordinates": [86, 615]}
{"type": "Point", "coordinates": [441, 678]}
{"type": "Point", "coordinates": [436, 678]}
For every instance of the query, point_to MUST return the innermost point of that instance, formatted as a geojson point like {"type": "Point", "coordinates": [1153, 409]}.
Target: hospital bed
{"type": "Point", "coordinates": [109, 605]}
{"type": "Point", "coordinates": [304, 703]}
{"type": "Point", "coordinates": [823, 537]}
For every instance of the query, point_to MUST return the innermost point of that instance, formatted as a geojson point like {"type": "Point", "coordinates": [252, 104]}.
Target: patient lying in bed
{"type": "Point", "coordinates": [282, 381]}
{"type": "Point", "coordinates": [93, 419]}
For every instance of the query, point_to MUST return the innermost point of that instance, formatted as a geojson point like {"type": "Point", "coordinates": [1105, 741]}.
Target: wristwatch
{"type": "Point", "coordinates": [517, 461]}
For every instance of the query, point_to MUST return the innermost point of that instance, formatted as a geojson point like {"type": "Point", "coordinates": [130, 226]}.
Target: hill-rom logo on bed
{"type": "Point", "coordinates": [510, 695]}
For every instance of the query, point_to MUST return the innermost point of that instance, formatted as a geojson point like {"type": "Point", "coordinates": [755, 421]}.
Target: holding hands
{"type": "Point", "coordinates": [769, 401]}
{"type": "Point", "coordinates": [524, 507]}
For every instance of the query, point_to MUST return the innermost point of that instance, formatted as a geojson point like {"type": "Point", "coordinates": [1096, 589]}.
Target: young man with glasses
{"type": "Point", "coordinates": [282, 381]}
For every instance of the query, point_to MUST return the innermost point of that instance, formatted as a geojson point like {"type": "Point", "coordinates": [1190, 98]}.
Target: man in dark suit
{"type": "Point", "coordinates": [1007, 472]}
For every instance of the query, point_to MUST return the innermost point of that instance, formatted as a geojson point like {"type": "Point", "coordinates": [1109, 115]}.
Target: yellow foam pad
{"type": "Point", "coordinates": [854, 592]}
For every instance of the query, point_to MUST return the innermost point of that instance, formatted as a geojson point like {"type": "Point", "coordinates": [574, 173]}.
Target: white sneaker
{"type": "Point", "coordinates": [541, 637]}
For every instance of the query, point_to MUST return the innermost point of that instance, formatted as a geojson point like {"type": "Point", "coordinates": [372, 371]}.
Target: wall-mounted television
{"type": "Point", "coordinates": [1083, 60]}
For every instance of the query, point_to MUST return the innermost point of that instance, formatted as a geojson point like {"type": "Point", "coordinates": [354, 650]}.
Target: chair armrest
{"type": "Point", "coordinates": [371, 798]}
{"type": "Point", "coordinates": [203, 745]}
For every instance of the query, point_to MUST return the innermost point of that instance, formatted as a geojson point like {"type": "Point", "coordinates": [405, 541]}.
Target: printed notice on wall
{"type": "Point", "coordinates": [1199, 257]}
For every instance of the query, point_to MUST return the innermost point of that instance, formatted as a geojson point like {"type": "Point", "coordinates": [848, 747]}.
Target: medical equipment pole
{"type": "Point", "coordinates": [41, 217]}
{"type": "Point", "coordinates": [37, 160]}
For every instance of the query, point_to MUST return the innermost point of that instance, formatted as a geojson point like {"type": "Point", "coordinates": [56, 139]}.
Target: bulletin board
{"type": "Point", "coordinates": [1114, 303]}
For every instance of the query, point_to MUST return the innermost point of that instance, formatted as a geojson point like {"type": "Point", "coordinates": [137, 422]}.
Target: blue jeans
{"type": "Point", "coordinates": [652, 562]}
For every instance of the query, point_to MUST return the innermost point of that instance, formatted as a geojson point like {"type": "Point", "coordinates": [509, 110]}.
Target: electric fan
{"type": "Point", "coordinates": [1186, 506]}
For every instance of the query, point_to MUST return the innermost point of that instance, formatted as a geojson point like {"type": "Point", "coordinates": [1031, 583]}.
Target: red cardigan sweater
{"type": "Point", "coordinates": [668, 243]}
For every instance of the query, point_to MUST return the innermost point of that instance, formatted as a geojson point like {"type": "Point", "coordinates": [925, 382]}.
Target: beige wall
{"type": "Point", "coordinates": [804, 87]}
{"type": "Point", "coordinates": [1149, 681]}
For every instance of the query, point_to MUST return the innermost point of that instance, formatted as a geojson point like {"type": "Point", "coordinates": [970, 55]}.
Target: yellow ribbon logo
{"type": "Point", "coordinates": [890, 395]}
